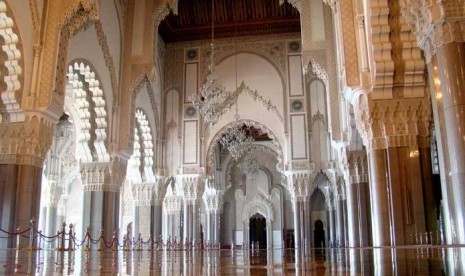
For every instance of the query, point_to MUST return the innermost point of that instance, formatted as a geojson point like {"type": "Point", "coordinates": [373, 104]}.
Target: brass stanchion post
{"type": "Point", "coordinates": [71, 242]}
{"type": "Point", "coordinates": [101, 241]}
{"type": "Point", "coordinates": [18, 238]}
{"type": "Point", "coordinates": [88, 238]}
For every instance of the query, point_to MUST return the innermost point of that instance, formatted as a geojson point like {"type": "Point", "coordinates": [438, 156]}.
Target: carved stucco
{"type": "Point", "coordinates": [11, 67]}
{"type": "Point", "coordinates": [63, 20]}
{"type": "Point", "coordinates": [260, 205]}
{"type": "Point", "coordinates": [141, 82]}
{"type": "Point", "coordinates": [273, 51]}
{"type": "Point", "coordinates": [26, 143]}
{"type": "Point", "coordinates": [435, 23]}
{"type": "Point", "coordinates": [393, 123]}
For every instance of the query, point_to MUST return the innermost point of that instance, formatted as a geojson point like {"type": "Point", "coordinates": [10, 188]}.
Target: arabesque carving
{"type": "Point", "coordinates": [11, 69]}
{"type": "Point", "coordinates": [260, 205]}
{"type": "Point", "coordinates": [435, 23]}
{"type": "Point", "coordinates": [393, 123]}
{"type": "Point", "coordinates": [26, 143]}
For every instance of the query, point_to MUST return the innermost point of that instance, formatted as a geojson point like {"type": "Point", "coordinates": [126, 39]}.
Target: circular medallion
{"type": "Point", "coordinates": [297, 105]}
{"type": "Point", "coordinates": [191, 54]}
{"type": "Point", "coordinates": [190, 111]}
{"type": "Point", "coordinates": [294, 46]}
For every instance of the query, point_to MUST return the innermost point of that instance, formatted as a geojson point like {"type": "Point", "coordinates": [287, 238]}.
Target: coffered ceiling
{"type": "Point", "coordinates": [232, 18]}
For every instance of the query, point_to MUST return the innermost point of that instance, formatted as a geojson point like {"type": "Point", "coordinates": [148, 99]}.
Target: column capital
{"type": "Point", "coordinates": [435, 23]}
{"type": "Point", "coordinates": [95, 176]}
{"type": "Point", "coordinates": [355, 167]}
{"type": "Point", "coordinates": [393, 122]}
{"type": "Point", "coordinates": [27, 142]}
{"type": "Point", "coordinates": [299, 183]}
{"type": "Point", "coordinates": [213, 198]}
{"type": "Point", "coordinates": [193, 185]}
{"type": "Point", "coordinates": [332, 4]}
{"type": "Point", "coordinates": [51, 194]}
{"type": "Point", "coordinates": [172, 204]}
{"type": "Point", "coordinates": [149, 193]}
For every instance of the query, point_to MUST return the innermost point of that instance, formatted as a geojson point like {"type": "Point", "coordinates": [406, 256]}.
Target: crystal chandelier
{"type": "Point", "coordinates": [249, 164]}
{"type": "Point", "coordinates": [237, 142]}
{"type": "Point", "coordinates": [214, 99]}
{"type": "Point", "coordinates": [242, 149]}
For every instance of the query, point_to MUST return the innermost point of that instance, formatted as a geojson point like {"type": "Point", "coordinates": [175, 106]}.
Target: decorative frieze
{"type": "Point", "coordinates": [393, 123]}
{"type": "Point", "coordinates": [435, 23]}
{"type": "Point", "coordinates": [260, 205]}
{"type": "Point", "coordinates": [95, 177]}
{"type": "Point", "coordinates": [299, 183]}
{"type": "Point", "coordinates": [26, 143]}
{"type": "Point", "coordinates": [193, 186]}
{"type": "Point", "coordinates": [148, 194]}
{"type": "Point", "coordinates": [213, 199]}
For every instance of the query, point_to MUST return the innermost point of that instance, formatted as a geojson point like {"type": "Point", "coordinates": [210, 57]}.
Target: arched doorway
{"type": "Point", "coordinates": [319, 234]}
{"type": "Point", "coordinates": [257, 231]}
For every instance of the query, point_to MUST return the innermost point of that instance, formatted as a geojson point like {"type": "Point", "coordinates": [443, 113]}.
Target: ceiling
{"type": "Point", "coordinates": [257, 134]}
{"type": "Point", "coordinates": [231, 17]}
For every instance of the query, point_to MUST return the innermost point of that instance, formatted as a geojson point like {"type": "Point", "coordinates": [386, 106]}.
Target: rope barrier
{"type": "Point", "coordinates": [66, 241]}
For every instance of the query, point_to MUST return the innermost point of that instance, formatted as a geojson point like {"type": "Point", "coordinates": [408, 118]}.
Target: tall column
{"type": "Point", "coordinates": [24, 146]}
{"type": "Point", "coordinates": [332, 224]}
{"type": "Point", "coordinates": [451, 68]}
{"type": "Point", "coordinates": [213, 199]}
{"type": "Point", "coordinates": [346, 233]}
{"type": "Point", "coordinates": [443, 46]}
{"type": "Point", "coordinates": [356, 178]}
{"type": "Point", "coordinates": [101, 198]}
{"type": "Point", "coordinates": [193, 187]}
{"type": "Point", "coordinates": [157, 219]}
{"type": "Point", "coordinates": [380, 222]}
{"type": "Point", "coordinates": [340, 220]}
{"type": "Point", "coordinates": [352, 215]}
{"type": "Point", "coordinates": [299, 185]}
{"type": "Point", "coordinates": [297, 224]}
{"type": "Point", "coordinates": [364, 213]}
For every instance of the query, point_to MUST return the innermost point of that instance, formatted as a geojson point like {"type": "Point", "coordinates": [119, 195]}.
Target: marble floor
{"type": "Point", "coordinates": [400, 261]}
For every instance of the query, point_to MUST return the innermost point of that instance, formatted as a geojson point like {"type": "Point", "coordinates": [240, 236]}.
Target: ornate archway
{"type": "Point", "coordinates": [259, 205]}
{"type": "Point", "coordinates": [248, 123]}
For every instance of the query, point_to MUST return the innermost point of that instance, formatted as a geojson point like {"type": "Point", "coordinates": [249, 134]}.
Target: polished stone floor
{"type": "Point", "coordinates": [405, 261]}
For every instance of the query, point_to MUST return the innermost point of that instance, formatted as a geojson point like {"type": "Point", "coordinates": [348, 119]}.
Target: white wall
{"type": "Point", "coordinates": [259, 74]}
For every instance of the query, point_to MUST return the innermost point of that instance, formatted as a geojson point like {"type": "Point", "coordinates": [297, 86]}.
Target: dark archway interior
{"type": "Point", "coordinates": [257, 231]}
{"type": "Point", "coordinates": [319, 234]}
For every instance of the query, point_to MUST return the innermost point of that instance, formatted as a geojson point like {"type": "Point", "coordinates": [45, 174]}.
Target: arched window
{"type": "Point", "coordinates": [85, 90]}
{"type": "Point", "coordinates": [146, 141]}
{"type": "Point", "coordinates": [10, 69]}
{"type": "Point", "coordinates": [317, 101]}
{"type": "Point", "coordinates": [141, 164]}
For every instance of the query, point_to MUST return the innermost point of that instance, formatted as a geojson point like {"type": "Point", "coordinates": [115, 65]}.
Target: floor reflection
{"type": "Point", "coordinates": [406, 261]}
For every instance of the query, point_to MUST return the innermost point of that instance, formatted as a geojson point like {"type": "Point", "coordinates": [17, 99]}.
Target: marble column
{"type": "Point", "coordinates": [364, 214]}
{"type": "Point", "coordinates": [340, 229]}
{"type": "Point", "coordinates": [353, 215]}
{"type": "Point", "coordinates": [157, 220]}
{"type": "Point", "coordinates": [379, 196]}
{"type": "Point", "coordinates": [332, 225]}
{"type": "Point", "coordinates": [297, 224]}
{"type": "Point", "coordinates": [186, 223]}
{"type": "Point", "coordinates": [20, 197]}
{"type": "Point", "coordinates": [346, 233]}
{"type": "Point", "coordinates": [110, 213]}
{"type": "Point", "coordinates": [451, 69]}
{"type": "Point", "coordinates": [269, 235]}
{"type": "Point", "coordinates": [307, 232]}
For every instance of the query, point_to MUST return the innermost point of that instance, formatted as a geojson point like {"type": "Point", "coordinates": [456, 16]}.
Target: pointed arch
{"type": "Point", "coordinates": [84, 88]}
{"type": "Point", "coordinates": [11, 70]}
